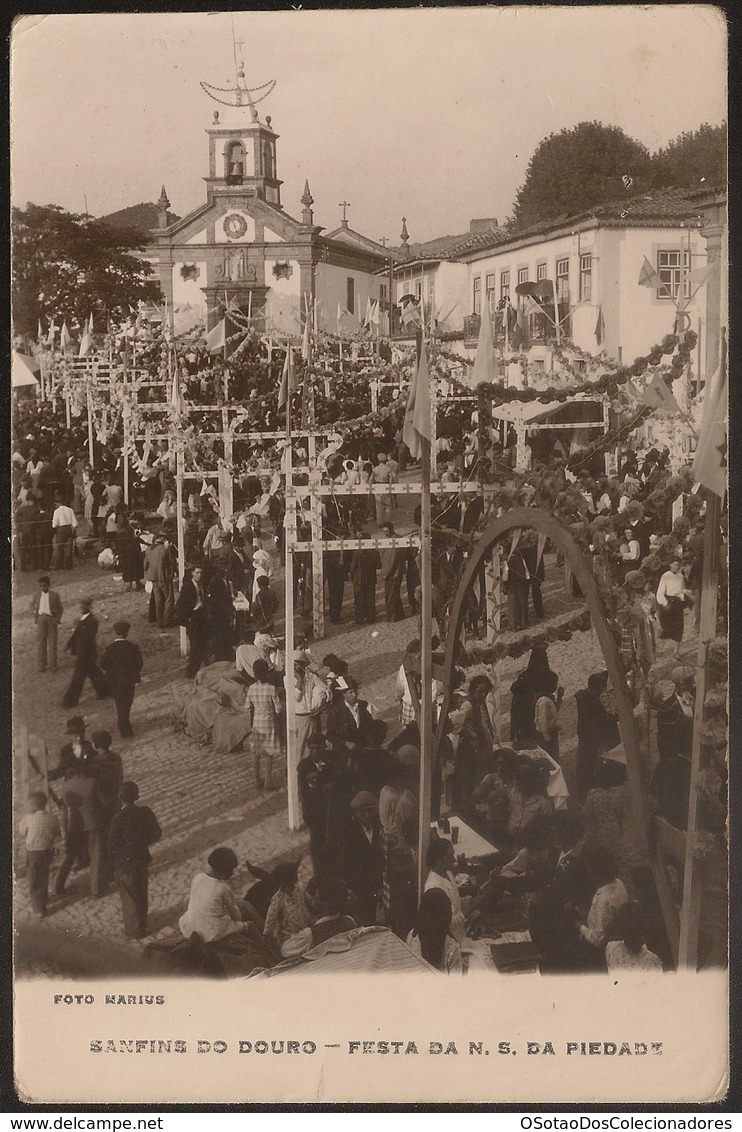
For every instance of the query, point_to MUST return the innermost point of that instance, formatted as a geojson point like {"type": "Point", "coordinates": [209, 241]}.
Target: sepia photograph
{"type": "Point", "coordinates": [368, 480]}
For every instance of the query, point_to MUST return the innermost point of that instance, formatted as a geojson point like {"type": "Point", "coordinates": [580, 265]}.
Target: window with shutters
{"type": "Point", "coordinates": [522, 274]}
{"type": "Point", "coordinates": [478, 295]}
{"type": "Point", "coordinates": [540, 272]}
{"type": "Point", "coordinates": [350, 294]}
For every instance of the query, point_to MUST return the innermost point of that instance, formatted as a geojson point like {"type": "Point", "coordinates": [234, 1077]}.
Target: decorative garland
{"type": "Point", "coordinates": [526, 640]}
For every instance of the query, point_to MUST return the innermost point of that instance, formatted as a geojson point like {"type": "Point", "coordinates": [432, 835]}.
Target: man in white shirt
{"type": "Point", "coordinates": [64, 525]}
{"type": "Point", "coordinates": [610, 895]}
{"type": "Point", "coordinates": [46, 607]}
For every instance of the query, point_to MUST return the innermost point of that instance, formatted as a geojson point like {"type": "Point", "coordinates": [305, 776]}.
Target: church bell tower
{"type": "Point", "coordinates": [242, 149]}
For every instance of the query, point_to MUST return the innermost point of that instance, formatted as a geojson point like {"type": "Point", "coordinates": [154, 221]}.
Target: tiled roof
{"type": "Point", "coordinates": [439, 248]}
{"type": "Point", "coordinates": [143, 216]}
{"type": "Point", "coordinates": [356, 240]}
{"type": "Point", "coordinates": [659, 207]}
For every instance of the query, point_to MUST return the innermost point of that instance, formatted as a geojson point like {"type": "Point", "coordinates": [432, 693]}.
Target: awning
{"type": "Point", "coordinates": [366, 950]}
{"type": "Point", "coordinates": [525, 412]}
{"type": "Point", "coordinates": [536, 412]}
{"type": "Point", "coordinates": [23, 370]}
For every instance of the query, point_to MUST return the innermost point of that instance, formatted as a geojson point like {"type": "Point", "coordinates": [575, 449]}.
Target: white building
{"type": "Point", "coordinates": [594, 259]}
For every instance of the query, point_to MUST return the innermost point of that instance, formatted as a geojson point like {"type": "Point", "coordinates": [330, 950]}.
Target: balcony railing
{"type": "Point", "coordinates": [539, 327]}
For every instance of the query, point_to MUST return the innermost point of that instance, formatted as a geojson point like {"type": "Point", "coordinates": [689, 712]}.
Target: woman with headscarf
{"type": "Point", "coordinates": [535, 680]}
{"type": "Point", "coordinates": [431, 936]}
{"type": "Point", "coordinates": [262, 565]}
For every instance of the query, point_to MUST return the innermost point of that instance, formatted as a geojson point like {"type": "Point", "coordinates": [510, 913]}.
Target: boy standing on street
{"type": "Point", "coordinates": [40, 830]}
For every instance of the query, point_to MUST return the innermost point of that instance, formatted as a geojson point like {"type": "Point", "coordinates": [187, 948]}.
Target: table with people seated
{"type": "Point", "coordinates": [499, 940]}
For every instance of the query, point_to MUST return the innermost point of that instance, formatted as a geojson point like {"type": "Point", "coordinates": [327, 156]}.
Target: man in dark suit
{"type": "Point", "coordinates": [159, 567]}
{"type": "Point", "coordinates": [133, 829]}
{"type": "Point", "coordinates": [122, 664]}
{"type": "Point", "coordinates": [364, 856]}
{"type": "Point", "coordinates": [46, 607]}
{"type": "Point", "coordinates": [321, 794]}
{"type": "Point", "coordinates": [362, 571]}
{"type": "Point", "coordinates": [83, 646]}
{"type": "Point", "coordinates": [349, 719]}
{"type": "Point", "coordinates": [190, 611]}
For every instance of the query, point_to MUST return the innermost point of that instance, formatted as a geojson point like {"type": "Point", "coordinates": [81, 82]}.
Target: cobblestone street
{"type": "Point", "coordinates": [202, 798]}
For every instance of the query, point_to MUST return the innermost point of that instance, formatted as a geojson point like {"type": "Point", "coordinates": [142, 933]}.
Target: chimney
{"type": "Point", "coordinates": [482, 225]}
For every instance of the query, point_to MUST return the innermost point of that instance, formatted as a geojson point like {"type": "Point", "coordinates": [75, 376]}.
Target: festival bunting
{"type": "Point", "coordinates": [417, 415]}
{"type": "Point", "coordinates": [648, 277]}
{"type": "Point", "coordinates": [485, 361]}
{"type": "Point", "coordinates": [216, 339]}
{"type": "Point", "coordinates": [287, 377]}
{"type": "Point", "coordinates": [600, 327]}
{"type": "Point", "coordinates": [710, 463]}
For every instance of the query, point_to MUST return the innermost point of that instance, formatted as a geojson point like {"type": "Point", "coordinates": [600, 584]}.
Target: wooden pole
{"type": "Point", "coordinates": [318, 571]}
{"type": "Point", "coordinates": [91, 453]}
{"type": "Point", "coordinates": [67, 412]}
{"type": "Point", "coordinates": [292, 760]}
{"type": "Point", "coordinates": [426, 665]}
{"type": "Point", "coordinates": [181, 533]}
{"type": "Point", "coordinates": [125, 451]}
{"type": "Point", "coordinates": [226, 481]}
{"type": "Point", "coordinates": [692, 876]}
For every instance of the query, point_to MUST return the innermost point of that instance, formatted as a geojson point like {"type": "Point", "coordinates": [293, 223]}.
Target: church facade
{"type": "Point", "coordinates": [240, 249]}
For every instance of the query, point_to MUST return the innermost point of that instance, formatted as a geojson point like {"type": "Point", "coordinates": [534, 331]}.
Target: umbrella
{"type": "Point", "coordinates": [23, 370]}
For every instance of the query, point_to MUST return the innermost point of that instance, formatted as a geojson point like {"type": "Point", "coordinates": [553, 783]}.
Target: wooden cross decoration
{"type": "Point", "coordinates": [345, 205]}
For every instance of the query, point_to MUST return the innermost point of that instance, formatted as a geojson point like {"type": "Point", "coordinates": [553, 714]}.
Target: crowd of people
{"type": "Point", "coordinates": [563, 852]}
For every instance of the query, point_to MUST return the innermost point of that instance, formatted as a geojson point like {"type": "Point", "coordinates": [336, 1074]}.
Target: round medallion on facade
{"type": "Point", "coordinates": [235, 226]}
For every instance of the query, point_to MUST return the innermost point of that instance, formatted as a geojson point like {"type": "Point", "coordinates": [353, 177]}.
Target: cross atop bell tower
{"type": "Point", "coordinates": [242, 150]}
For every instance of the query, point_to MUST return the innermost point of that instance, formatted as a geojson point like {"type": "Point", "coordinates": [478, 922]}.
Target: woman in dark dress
{"type": "Point", "coordinates": [535, 681]}
{"type": "Point", "coordinates": [129, 551]}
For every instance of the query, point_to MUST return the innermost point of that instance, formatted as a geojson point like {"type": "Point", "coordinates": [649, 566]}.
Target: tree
{"type": "Point", "coordinates": [695, 159]}
{"type": "Point", "coordinates": [579, 168]}
{"type": "Point", "coordinates": [67, 266]}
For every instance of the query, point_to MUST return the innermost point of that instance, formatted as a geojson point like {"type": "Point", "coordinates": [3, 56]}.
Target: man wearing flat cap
{"type": "Point", "coordinates": [122, 664]}
{"type": "Point", "coordinates": [364, 857]}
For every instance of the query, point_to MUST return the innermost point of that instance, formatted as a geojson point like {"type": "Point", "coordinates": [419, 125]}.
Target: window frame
{"type": "Point", "coordinates": [669, 289]}
{"type": "Point", "coordinates": [477, 295]}
{"type": "Point", "coordinates": [541, 271]}
{"type": "Point", "coordinates": [586, 277]}
{"type": "Point", "coordinates": [490, 290]}
{"type": "Point", "coordinates": [505, 285]}
{"type": "Point", "coordinates": [350, 294]}
{"type": "Point", "coordinates": [562, 276]}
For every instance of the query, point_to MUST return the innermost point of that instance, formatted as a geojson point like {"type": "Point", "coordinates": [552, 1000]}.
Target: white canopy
{"type": "Point", "coordinates": [22, 372]}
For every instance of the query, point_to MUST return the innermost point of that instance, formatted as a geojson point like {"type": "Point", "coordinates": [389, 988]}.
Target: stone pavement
{"type": "Point", "coordinates": [201, 798]}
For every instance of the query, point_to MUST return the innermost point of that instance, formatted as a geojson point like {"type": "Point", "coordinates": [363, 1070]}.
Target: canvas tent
{"type": "Point", "coordinates": [23, 370]}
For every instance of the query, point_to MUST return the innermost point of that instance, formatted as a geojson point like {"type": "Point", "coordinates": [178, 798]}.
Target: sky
{"type": "Point", "coordinates": [430, 114]}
